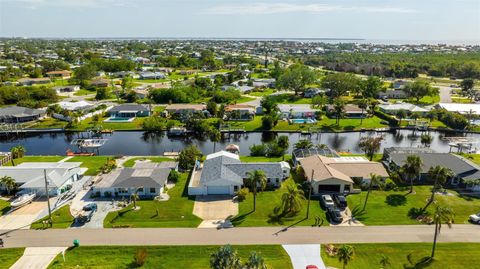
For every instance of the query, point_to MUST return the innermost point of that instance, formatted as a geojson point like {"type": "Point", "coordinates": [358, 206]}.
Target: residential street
{"type": "Point", "coordinates": [445, 96]}
{"type": "Point", "coordinates": [239, 236]}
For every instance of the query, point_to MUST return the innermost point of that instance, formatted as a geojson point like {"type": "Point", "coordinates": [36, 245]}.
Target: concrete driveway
{"type": "Point", "coordinates": [103, 208]}
{"type": "Point", "coordinates": [22, 217]}
{"type": "Point", "coordinates": [214, 210]}
{"type": "Point", "coordinates": [37, 257]}
{"type": "Point", "coordinates": [303, 255]}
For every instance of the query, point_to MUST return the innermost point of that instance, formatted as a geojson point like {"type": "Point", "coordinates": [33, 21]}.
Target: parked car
{"type": "Point", "coordinates": [327, 201]}
{"type": "Point", "coordinates": [340, 200]}
{"type": "Point", "coordinates": [475, 218]}
{"type": "Point", "coordinates": [90, 207]}
{"type": "Point", "coordinates": [311, 266]}
{"type": "Point", "coordinates": [334, 214]}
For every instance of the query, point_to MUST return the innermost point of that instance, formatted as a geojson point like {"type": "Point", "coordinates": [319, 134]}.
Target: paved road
{"type": "Point", "coordinates": [240, 236]}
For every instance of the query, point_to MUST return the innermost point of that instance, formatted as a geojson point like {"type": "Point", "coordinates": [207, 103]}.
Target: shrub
{"type": "Point", "coordinates": [174, 176]}
{"type": "Point", "coordinates": [258, 150]}
{"type": "Point", "coordinates": [390, 119]}
{"type": "Point", "coordinates": [242, 194]}
{"type": "Point", "coordinates": [140, 257]}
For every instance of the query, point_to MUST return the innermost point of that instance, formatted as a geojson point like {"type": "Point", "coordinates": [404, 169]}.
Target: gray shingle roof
{"type": "Point", "coordinates": [18, 111]}
{"type": "Point", "coordinates": [461, 167]}
{"type": "Point", "coordinates": [134, 178]}
{"type": "Point", "coordinates": [129, 107]}
{"type": "Point", "coordinates": [224, 168]}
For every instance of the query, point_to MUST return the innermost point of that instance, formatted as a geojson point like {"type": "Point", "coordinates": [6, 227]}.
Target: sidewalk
{"type": "Point", "coordinates": [37, 258]}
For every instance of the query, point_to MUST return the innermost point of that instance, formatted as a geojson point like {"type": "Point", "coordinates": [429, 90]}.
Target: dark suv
{"type": "Point", "coordinates": [340, 200]}
{"type": "Point", "coordinates": [334, 214]}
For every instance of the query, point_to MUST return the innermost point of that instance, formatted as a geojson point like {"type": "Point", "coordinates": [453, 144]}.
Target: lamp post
{"type": "Point", "coordinates": [48, 198]}
{"type": "Point", "coordinates": [309, 193]}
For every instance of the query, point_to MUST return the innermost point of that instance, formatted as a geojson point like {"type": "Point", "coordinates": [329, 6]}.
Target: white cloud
{"type": "Point", "coordinates": [275, 8]}
{"type": "Point", "coordinates": [70, 3]}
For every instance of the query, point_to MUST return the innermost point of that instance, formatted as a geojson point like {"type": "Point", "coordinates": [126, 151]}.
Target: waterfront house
{"type": "Point", "coordinates": [76, 106]}
{"type": "Point", "coordinates": [223, 173]}
{"type": "Point", "coordinates": [240, 112]}
{"type": "Point", "coordinates": [296, 111]}
{"type": "Point", "coordinates": [185, 109]}
{"type": "Point", "coordinates": [30, 176]}
{"type": "Point", "coordinates": [339, 174]}
{"type": "Point", "coordinates": [18, 114]}
{"type": "Point", "coordinates": [100, 82]}
{"type": "Point", "coordinates": [392, 109]}
{"type": "Point", "coordinates": [146, 179]}
{"type": "Point", "coordinates": [152, 75]}
{"type": "Point", "coordinates": [61, 74]}
{"type": "Point", "coordinates": [350, 110]}
{"type": "Point", "coordinates": [463, 169]}
{"type": "Point", "coordinates": [129, 111]}
{"type": "Point", "coordinates": [461, 108]}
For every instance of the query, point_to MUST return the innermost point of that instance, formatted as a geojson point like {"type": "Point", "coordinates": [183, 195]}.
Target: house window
{"type": "Point", "coordinates": [122, 190]}
{"type": "Point", "coordinates": [235, 188]}
{"type": "Point", "coordinates": [140, 190]}
{"type": "Point", "coordinates": [153, 190]}
{"type": "Point", "coordinates": [277, 180]}
{"type": "Point", "coordinates": [268, 180]}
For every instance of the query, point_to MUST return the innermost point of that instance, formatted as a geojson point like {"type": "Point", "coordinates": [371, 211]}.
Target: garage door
{"type": "Point", "coordinates": [329, 188]}
{"type": "Point", "coordinates": [218, 190]}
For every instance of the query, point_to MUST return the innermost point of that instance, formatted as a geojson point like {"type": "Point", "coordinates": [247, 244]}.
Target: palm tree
{"type": "Point", "coordinates": [292, 199]}
{"type": "Point", "coordinates": [134, 197]}
{"type": "Point", "coordinates": [283, 143]}
{"type": "Point", "coordinates": [426, 139]}
{"type": "Point", "coordinates": [18, 151]}
{"type": "Point", "coordinates": [363, 105]}
{"type": "Point", "coordinates": [304, 144]}
{"type": "Point", "coordinates": [215, 136]}
{"type": "Point", "coordinates": [442, 215]}
{"type": "Point", "coordinates": [374, 180]}
{"type": "Point", "coordinates": [339, 109]}
{"type": "Point", "coordinates": [255, 178]}
{"type": "Point", "coordinates": [440, 175]}
{"type": "Point", "coordinates": [370, 145]}
{"type": "Point", "coordinates": [8, 182]}
{"type": "Point", "coordinates": [345, 254]}
{"type": "Point", "coordinates": [255, 261]}
{"type": "Point", "coordinates": [401, 114]}
{"type": "Point", "coordinates": [385, 261]}
{"type": "Point", "coordinates": [225, 258]}
{"type": "Point", "coordinates": [412, 168]}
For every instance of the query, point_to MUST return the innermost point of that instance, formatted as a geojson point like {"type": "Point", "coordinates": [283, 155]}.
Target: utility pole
{"type": "Point", "coordinates": [48, 198]}
{"type": "Point", "coordinates": [309, 193]}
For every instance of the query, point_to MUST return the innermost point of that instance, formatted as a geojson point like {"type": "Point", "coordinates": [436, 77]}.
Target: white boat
{"type": "Point", "coordinates": [23, 200]}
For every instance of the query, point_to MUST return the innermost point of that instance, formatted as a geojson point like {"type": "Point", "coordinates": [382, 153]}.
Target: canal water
{"type": "Point", "coordinates": [140, 143]}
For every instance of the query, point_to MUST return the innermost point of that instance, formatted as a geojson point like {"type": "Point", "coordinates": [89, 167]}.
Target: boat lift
{"type": "Point", "coordinates": [462, 142]}
{"type": "Point", "coordinates": [86, 144]}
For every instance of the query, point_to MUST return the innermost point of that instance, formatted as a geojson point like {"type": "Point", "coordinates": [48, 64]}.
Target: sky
{"type": "Point", "coordinates": [372, 19]}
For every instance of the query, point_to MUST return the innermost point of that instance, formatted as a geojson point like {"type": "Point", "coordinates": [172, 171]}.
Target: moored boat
{"type": "Point", "coordinates": [23, 200]}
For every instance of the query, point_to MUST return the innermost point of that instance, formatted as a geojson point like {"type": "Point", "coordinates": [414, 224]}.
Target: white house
{"type": "Point", "coordinates": [296, 111]}
{"type": "Point", "coordinates": [224, 173]}
{"type": "Point", "coordinates": [392, 109]}
{"type": "Point", "coordinates": [30, 177]}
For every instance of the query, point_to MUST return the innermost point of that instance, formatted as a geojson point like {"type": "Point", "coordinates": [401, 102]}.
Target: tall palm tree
{"type": "Point", "coordinates": [255, 178]}
{"type": "Point", "coordinates": [255, 261]}
{"type": "Point", "coordinates": [339, 109]}
{"type": "Point", "coordinates": [412, 168]}
{"type": "Point", "coordinates": [442, 215]}
{"type": "Point", "coordinates": [385, 261]}
{"type": "Point", "coordinates": [304, 144]}
{"type": "Point", "coordinates": [370, 145]}
{"type": "Point", "coordinates": [401, 114]}
{"type": "Point", "coordinates": [134, 197]}
{"type": "Point", "coordinates": [215, 136]}
{"type": "Point", "coordinates": [440, 175]}
{"type": "Point", "coordinates": [18, 151]}
{"type": "Point", "coordinates": [8, 182]}
{"type": "Point", "coordinates": [375, 180]}
{"type": "Point", "coordinates": [363, 105]}
{"type": "Point", "coordinates": [292, 199]}
{"type": "Point", "coordinates": [345, 254]}
{"type": "Point", "coordinates": [283, 143]}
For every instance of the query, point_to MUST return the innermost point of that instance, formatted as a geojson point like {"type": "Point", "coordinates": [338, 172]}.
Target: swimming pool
{"type": "Point", "coordinates": [303, 121]}
{"type": "Point", "coordinates": [112, 119]}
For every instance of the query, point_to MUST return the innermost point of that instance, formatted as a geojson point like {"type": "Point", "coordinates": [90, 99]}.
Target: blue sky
{"type": "Point", "coordinates": [373, 19]}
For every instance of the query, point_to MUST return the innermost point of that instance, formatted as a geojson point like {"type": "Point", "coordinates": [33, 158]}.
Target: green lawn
{"type": "Point", "coordinates": [244, 99]}
{"type": "Point", "coordinates": [191, 257]}
{"type": "Point", "coordinates": [83, 92]}
{"type": "Point", "coordinates": [262, 93]}
{"type": "Point", "coordinates": [8, 256]}
{"type": "Point", "coordinates": [472, 157]}
{"type": "Point", "coordinates": [61, 219]}
{"type": "Point", "coordinates": [253, 125]}
{"type": "Point", "coordinates": [176, 212]}
{"type": "Point", "coordinates": [93, 163]}
{"type": "Point", "coordinates": [448, 255]}
{"type": "Point", "coordinates": [136, 124]}
{"type": "Point", "coordinates": [4, 207]}
{"type": "Point", "coordinates": [30, 159]}
{"type": "Point", "coordinates": [263, 216]}
{"type": "Point", "coordinates": [288, 98]}
{"type": "Point", "coordinates": [131, 162]}
{"type": "Point", "coordinates": [328, 124]}
{"type": "Point", "coordinates": [392, 207]}
{"type": "Point", "coordinates": [49, 123]}
{"type": "Point", "coordinates": [265, 159]}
